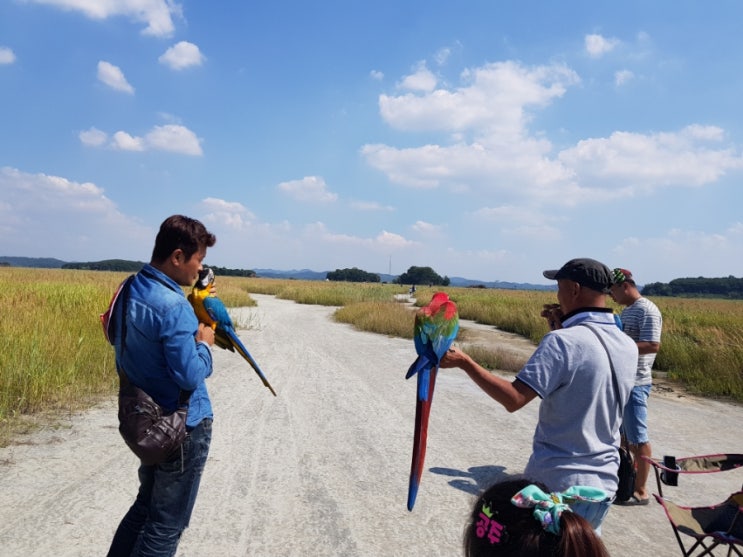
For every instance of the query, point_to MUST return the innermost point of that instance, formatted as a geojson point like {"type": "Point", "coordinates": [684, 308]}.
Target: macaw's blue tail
{"type": "Point", "coordinates": [236, 345]}
{"type": "Point", "coordinates": [420, 435]}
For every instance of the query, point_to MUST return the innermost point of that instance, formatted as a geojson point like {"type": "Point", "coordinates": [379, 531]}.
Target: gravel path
{"type": "Point", "coordinates": [323, 468]}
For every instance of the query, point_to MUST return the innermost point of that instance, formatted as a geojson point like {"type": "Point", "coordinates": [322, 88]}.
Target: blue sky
{"type": "Point", "coordinates": [490, 140]}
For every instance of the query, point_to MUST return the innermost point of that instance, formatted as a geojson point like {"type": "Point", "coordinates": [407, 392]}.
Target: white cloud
{"type": "Point", "coordinates": [227, 214]}
{"type": "Point", "coordinates": [7, 56]}
{"type": "Point", "coordinates": [391, 241]}
{"type": "Point", "coordinates": [511, 213]}
{"type": "Point", "coordinates": [492, 150]}
{"type": "Point", "coordinates": [427, 229]}
{"type": "Point", "coordinates": [711, 253]}
{"type": "Point", "coordinates": [622, 77]}
{"type": "Point", "coordinates": [422, 79]}
{"type": "Point", "coordinates": [125, 142]}
{"type": "Point", "coordinates": [182, 55]}
{"type": "Point", "coordinates": [493, 97]}
{"type": "Point", "coordinates": [597, 45]}
{"type": "Point", "coordinates": [113, 77]}
{"type": "Point", "coordinates": [520, 165]}
{"type": "Point", "coordinates": [628, 164]}
{"type": "Point", "coordinates": [156, 14]}
{"type": "Point", "coordinates": [442, 55]}
{"type": "Point", "coordinates": [171, 137]}
{"type": "Point", "coordinates": [309, 189]}
{"type": "Point", "coordinates": [376, 75]}
{"type": "Point", "coordinates": [314, 246]}
{"type": "Point", "coordinates": [93, 137]}
{"type": "Point", "coordinates": [370, 206]}
{"type": "Point", "coordinates": [51, 216]}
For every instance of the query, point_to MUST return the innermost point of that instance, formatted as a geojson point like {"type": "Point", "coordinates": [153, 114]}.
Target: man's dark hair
{"type": "Point", "coordinates": [184, 233]}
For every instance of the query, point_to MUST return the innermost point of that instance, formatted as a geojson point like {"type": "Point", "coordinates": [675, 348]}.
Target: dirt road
{"type": "Point", "coordinates": [322, 469]}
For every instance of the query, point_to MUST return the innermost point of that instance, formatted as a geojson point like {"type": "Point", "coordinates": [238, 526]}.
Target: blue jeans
{"type": "Point", "coordinates": [167, 492]}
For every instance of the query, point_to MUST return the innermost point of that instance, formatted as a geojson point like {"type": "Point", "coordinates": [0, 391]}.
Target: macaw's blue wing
{"type": "Point", "coordinates": [436, 327]}
{"type": "Point", "coordinates": [226, 337]}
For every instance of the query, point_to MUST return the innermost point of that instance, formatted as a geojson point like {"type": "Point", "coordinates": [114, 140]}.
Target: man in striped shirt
{"type": "Point", "coordinates": [642, 321]}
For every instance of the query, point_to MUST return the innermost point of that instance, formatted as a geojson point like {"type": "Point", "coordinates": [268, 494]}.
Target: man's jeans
{"type": "Point", "coordinates": [167, 493]}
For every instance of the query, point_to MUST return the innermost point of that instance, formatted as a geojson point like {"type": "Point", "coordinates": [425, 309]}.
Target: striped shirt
{"type": "Point", "coordinates": [643, 322]}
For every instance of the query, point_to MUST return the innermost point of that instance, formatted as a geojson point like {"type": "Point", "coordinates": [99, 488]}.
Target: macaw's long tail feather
{"type": "Point", "coordinates": [240, 348]}
{"type": "Point", "coordinates": [420, 438]}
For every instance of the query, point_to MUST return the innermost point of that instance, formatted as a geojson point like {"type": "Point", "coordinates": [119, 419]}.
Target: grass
{"type": "Point", "coordinates": [56, 358]}
{"type": "Point", "coordinates": [702, 344]}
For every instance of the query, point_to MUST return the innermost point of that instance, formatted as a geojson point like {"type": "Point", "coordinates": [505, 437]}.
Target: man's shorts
{"type": "Point", "coordinates": [635, 420]}
{"type": "Point", "coordinates": [593, 512]}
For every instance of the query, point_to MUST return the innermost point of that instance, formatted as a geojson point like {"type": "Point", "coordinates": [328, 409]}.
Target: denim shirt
{"type": "Point", "coordinates": [161, 355]}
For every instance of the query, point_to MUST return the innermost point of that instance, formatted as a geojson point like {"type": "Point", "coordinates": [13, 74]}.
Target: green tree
{"type": "Point", "coordinates": [352, 275]}
{"type": "Point", "coordinates": [422, 275]}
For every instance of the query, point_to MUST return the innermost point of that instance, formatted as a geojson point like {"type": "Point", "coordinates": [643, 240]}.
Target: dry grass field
{"type": "Point", "coordinates": [57, 358]}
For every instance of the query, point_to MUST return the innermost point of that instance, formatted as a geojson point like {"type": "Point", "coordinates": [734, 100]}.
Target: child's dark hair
{"type": "Point", "coordinates": [511, 531]}
{"type": "Point", "coordinates": [184, 233]}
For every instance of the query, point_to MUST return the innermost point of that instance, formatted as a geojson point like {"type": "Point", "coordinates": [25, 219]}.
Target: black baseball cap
{"type": "Point", "coordinates": [586, 272]}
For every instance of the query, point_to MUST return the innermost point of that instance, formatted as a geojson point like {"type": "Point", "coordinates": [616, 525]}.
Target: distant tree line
{"type": "Point", "coordinates": [352, 275]}
{"type": "Point", "coordinates": [225, 272]}
{"type": "Point", "coordinates": [125, 266]}
{"type": "Point", "coordinates": [729, 287]}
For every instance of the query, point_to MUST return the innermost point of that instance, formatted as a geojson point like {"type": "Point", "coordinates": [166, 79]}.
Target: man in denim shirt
{"type": "Point", "coordinates": [167, 350]}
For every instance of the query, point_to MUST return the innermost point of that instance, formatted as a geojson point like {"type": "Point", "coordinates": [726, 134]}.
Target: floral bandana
{"type": "Point", "coordinates": [549, 506]}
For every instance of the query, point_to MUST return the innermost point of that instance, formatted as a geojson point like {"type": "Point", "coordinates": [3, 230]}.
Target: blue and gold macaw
{"type": "Point", "coordinates": [211, 311]}
{"type": "Point", "coordinates": [436, 327]}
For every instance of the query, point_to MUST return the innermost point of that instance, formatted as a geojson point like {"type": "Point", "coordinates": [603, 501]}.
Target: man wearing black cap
{"type": "Point", "coordinates": [642, 321]}
{"type": "Point", "coordinates": [577, 437]}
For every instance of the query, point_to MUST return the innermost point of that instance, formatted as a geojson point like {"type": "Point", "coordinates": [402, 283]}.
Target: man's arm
{"type": "Point", "coordinates": [513, 395]}
{"type": "Point", "coordinates": [646, 347]}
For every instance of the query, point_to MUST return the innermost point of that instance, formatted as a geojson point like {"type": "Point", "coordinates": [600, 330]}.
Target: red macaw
{"type": "Point", "coordinates": [436, 327]}
{"type": "Point", "coordinates": [211, 311]}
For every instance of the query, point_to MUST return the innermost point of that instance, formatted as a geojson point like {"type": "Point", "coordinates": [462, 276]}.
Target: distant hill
{"type": "Point", "coordinates": [117, 265]}
{"type": "Point", "coordinates": [459, 281]}
{"type": "Point", "coordinates": [307, 274]}
{"type": "Point", "coordinates": [298, 274]}
{"type": "Point", "coordinates": [34, 262]}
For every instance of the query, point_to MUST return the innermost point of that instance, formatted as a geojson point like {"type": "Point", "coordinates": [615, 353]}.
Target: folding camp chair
{"type": "Point", "coordinates": [712, 528]}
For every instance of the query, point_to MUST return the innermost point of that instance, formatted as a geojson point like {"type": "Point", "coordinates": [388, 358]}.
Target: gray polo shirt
{"type": "Point", "coordinates": [577, 436]}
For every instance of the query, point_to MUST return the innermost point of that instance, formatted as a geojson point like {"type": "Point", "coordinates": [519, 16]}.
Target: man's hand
{"type": "Point", "coordinates": [553, 314]}
{"type": "Point", "coordinates": [205, 334]}
{"type": "Point", "coordinates": [454, 357]}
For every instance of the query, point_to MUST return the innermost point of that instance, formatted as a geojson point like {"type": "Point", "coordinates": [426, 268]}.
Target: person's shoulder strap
{"type": "Point", "coordinates": [614, 381]}
{"type": "Point", "coordinates": [106, 321]}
